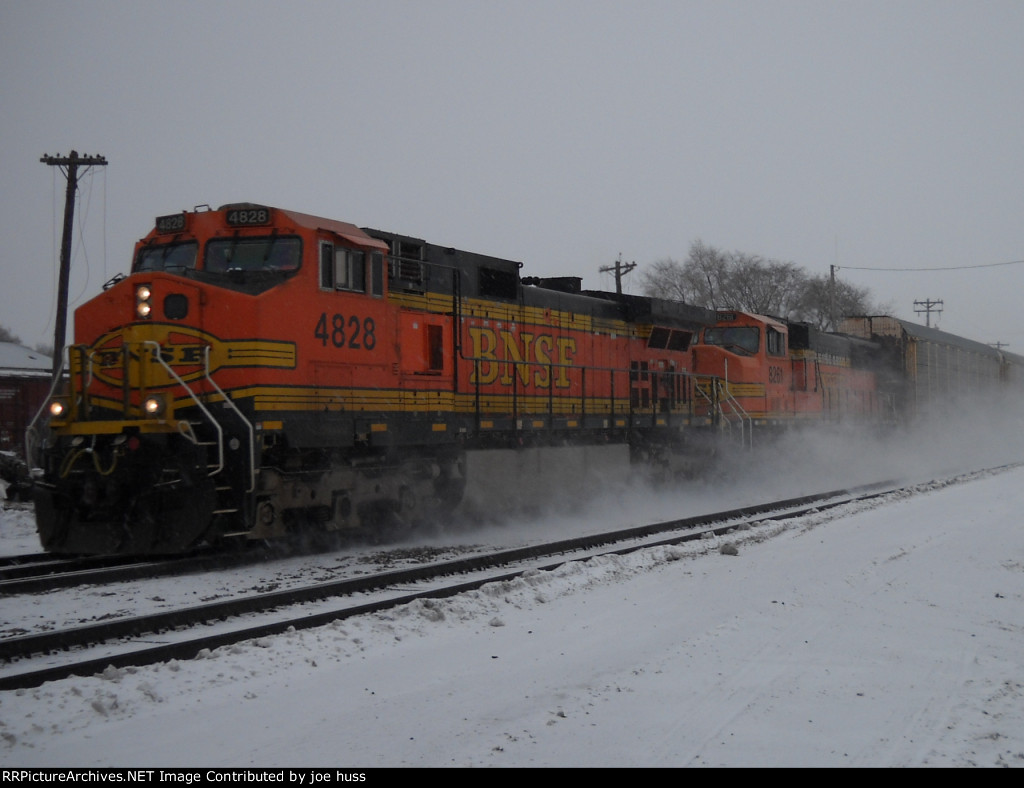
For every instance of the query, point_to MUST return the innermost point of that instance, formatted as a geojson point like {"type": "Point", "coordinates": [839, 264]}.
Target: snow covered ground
{"type": "Point", "coordinates": [881, 634]}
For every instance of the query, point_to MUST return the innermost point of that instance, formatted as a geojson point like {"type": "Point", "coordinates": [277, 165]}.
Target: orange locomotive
{"type": "Point", "coordinates": [772, 374]}
{"type": "Point", "coordinates": [261, 371]}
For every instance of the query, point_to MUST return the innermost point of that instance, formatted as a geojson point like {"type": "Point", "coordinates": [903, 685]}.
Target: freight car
{"type": "Point", "coordinates": [930, 373]}
{"type": "Point", "coordinates": [261, 371]}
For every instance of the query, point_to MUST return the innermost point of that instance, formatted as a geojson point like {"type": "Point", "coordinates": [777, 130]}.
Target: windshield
{"type": "Point", "coordinates": [744, 338]}
{"type": "Point", "coordinates": [167, 256]}
{"type": "Point", "coordinates": [270, 253]}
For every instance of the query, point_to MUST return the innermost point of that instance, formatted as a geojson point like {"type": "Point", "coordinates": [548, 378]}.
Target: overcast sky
{"type": "Point", "coordinates": [559, 133]}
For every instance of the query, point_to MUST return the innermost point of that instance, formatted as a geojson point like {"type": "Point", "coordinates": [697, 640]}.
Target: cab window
{"type": "Point", "coordinates": [343, 269]}
{"type": "Point", "coordinates": [744, 339]}
{"type": "Point", "coordinates": [251, 254]}
{"type": "Point", "coordinates": [167, 257]}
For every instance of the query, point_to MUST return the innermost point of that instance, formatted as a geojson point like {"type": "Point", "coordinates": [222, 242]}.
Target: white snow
{"type": "Point", "coordinates": [18, 360]}
{"type": "Point", "coordinates": [880, 634]}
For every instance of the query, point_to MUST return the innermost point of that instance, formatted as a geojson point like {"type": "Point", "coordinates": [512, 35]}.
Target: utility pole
{"type": "Point", "coordinates": [621, 269]}
{"type": "Point", "coordinates": [832, 297]}
{"type": "Point", "coordinates": [928, 306]}
{"type": "Point", "coordinates": [72, 163]}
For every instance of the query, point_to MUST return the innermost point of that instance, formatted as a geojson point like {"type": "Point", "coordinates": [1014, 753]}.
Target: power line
{"type": "Point", "coordinates": [941, 268]}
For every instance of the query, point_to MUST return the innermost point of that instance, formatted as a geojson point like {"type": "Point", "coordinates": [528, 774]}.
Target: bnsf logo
{"type": "Point", "coordinates": [538, 359]}
{"type": "Point", "coordinates": [174, 356]}
{"type": "Point", "coordinates": [183, 350]}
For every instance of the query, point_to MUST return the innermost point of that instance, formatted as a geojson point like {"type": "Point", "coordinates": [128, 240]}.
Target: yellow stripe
{"type": "Point", "coordinates": [267, 400]}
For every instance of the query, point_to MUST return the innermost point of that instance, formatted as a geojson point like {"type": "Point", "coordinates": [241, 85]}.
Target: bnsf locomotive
{"type": "Point", "coordinates": [262, 371]}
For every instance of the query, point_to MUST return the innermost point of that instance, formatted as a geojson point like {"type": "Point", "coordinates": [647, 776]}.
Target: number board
{"type": "Point", "coordinates": [172, 223]}
{"type": "Point", "coordinates": [248, 217]}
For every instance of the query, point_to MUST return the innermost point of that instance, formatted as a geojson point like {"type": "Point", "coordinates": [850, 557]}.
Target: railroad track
{"type": "Point", "coordinates": [27, 559]}
{"type": "Point", "coordinates": [40, 573]}
{"type": "Point", "coordinates": [31, 658]}
{"type": "Point", "coordinates": [45, 572]}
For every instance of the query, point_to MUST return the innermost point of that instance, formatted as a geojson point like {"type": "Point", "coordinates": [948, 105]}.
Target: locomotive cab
{"type": "Point", "coordinates": [771, 373]}
{"type": "Point", "coordinates": [749, 354]}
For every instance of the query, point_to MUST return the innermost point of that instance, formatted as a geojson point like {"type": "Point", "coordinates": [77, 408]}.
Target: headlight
{"type": "Point", "coordinates": [143, 306]}
{"type": "Point", "coordinates": [154, 405]}
{"type": "Point", "coordinates": [58, 408]}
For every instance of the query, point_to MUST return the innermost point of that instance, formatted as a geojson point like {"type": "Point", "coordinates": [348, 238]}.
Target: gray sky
{"type": "Point", "coordinates": [560, 133]}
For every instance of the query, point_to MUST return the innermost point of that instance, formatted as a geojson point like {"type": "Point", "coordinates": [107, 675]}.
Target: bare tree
{"type": "Point", "coordinates": [823, 303]}
{"type": "Point", "coordinates": [715, 279]}
{"type": "Point", "coordinates": [700, 280]}
{"type": "Point", "coordinates": [667, 279]}
{"type": "Point", "coordinates": [765, 287]}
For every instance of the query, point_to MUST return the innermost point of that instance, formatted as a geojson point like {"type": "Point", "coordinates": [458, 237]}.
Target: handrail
{"type": "Point", "coordinates": [739, 411]}
{"type": "Point", "coordinates": [195, 398]}
{"type": "Point", "coordinates": [720, 388]}
{"type": "Point", "coordinates": [231, 404]}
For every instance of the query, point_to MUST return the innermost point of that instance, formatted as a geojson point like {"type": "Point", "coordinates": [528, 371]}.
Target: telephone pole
{"type": "Point", "coordinates": [832, 297]}
{"type": "Point", "coordinates": [71, 162]}
{"type": "Point", "coordinates": [621, 269]}
{"type": "Point", "coordinates": [928, 306]}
